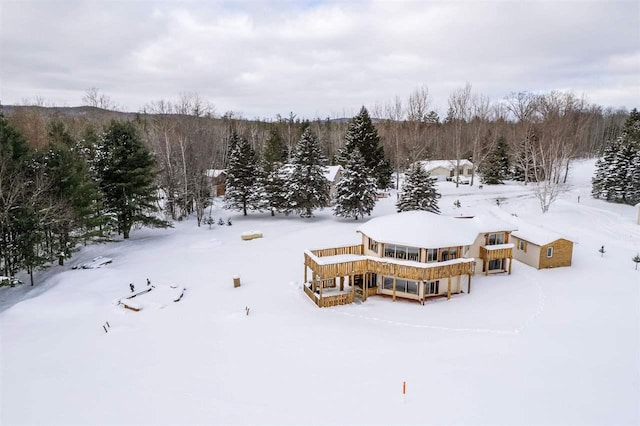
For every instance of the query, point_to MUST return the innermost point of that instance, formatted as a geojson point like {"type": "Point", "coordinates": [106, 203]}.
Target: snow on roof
{"type": "Point", "coordinates": [331, 172]}
{"type": "Point", "coordinates": [446, 164]}
{"type": "Point", "coordinates": [537, 235]}
{"type": "Point", "coordinates": [428, 230]}
{"type": "Point", "coordinates": [214, 173]}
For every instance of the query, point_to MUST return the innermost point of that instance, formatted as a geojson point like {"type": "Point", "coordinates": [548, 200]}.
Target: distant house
{"type": "Point", "coordinates": [446, 169]}
{"type": "Point", "coordinates": [333, 175]}
{"type": "Point", "coordinates": [217, 180]}
{"type": "Point", "coordinates": [541, 248]}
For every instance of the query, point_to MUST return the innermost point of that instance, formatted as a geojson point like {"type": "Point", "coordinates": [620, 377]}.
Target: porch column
{"type": "Point", "coordinates": [510, 262]}
{"type": "Point", "coordinates": [353, 287]}
{"type": "Point", "coordinates": [449, 288]}
{"type": "Point", "coordinates": [341, 283]}
{"type": "Point", "coordinates": [486, 267]}
{"type": "Point", "coordinates": [469, 289]}
{"type": "Point", "coordinates": [305, 273]}
{"type": "Point", "coordinates": [394, 288]}
{"type": "Point", "coordinates": [313, 281]}
{"type": "Point", "coordinates": [321, 286]}
{"type": "Point", "coordinates": [365, 286]}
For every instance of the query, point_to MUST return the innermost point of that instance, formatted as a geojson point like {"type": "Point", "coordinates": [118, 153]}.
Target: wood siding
{"type": "Point", "coordinates": [562, 254]}
{"type": "Point", "coordinates": [376, 266]}
{"type": "Point", "coordinates": [486, 255]}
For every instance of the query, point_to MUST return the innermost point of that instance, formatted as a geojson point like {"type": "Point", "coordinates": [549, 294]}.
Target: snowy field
{"type": "Point", "coordinates": [559, 346]}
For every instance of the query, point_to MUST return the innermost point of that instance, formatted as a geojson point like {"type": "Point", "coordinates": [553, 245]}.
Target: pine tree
{"type": "Point", "coordinates": [617, 176]}
{"type": "Point", "coordinates": [308, 186]}
{"type": "Point", "coordinates": [418, 191]}
{"type": "Point", "coordinates": [125, 170]}
{"type": "Point", "coordinates": [72, 183]}
{"type": "Point", "coordinates": [356, 191]}
{"type": "Point", "coordinates": [496, 168]}
{"type": "Point", "coordinates": [362, 135]}
{"type": "Point", "coordinates": [275, 149]}
{"type": "Point", "coordinates": [275, 189]}
{"type": "Point", "coordinates": [242, 184]}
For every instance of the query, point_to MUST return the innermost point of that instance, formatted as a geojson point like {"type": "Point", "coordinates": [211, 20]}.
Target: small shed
{"type": "Point", "coordinates": [541, 248]}
{"type": "Point", "coordinates": [218, 180]}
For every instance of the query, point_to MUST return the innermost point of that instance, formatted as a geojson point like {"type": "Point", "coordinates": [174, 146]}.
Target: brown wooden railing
{"type": "Point", "coordinates": [310, 294]}
{"type": "Point", "coordinates": [503, 253]}
{"type": "Point", "coordinates": [336, 300]}
{"type": "Point", "coordinates": [337, 251]}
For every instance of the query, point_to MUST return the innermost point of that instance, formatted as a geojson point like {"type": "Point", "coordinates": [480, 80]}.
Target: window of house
{"type": "Point", "coordinates": [401, 285]}
{"type": "Point", "coordinates": [413, 253]}
{"type": "Point", "coordinates": [432, 255]}
{"type": "Point", "coordinates": [387, 283]}
{"type": "Point", "coordinates": [402, 252]}
{"type": "Point", "coordinates": [549, 251]}
{"type": "Point", "coordinates": [495, 264]}
{"type": "Point", "coordinates": [495, 239]}
{"type": "Point", "coordinates": [521, 245]}
{"type": "Point", "coordinates": [449, 253]}
{"type": "Point", "coordinates": [389, 250]}
{"type": "Point", "coordinates": [432, 287]}
{"type": "Point", "coordinates": [373, 245]}
{"type": "Point", "coordinates": [412, 287]}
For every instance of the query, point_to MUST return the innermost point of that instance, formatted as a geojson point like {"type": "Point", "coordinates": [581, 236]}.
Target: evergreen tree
{"type": "Point", "coordinates": [602, 182]}
{"type": "Point", "coordinates": [496, 167]}
{"type": "Point", "coordinates": [242, 185]}
{"type": "Point", "coordinates": [274, 176]}
{"type": "Point", "coordinates": [362, 135]}
{"type": "Point", "coordinates": [418, 191]}
{"type": "Point", "coordinates": [125, 170]}
{"type": "Point", "coordinates": [275, 189]}
{"type": "Point", "coordinates": [14, 158]}
{"type": "Point", "coordinates": [275, 149]}
{"type": "Point", "coordinates": [308, 186]}
{"type": "Point", "coordinates": [73, 186]}
{"type": "Point", "coordinates": [617, 176]}
{"type": "Point", "coordinates": [356, 191]}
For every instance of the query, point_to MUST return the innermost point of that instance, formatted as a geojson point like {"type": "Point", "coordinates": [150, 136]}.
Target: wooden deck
{"type": "Point", "coordinates": [348, 261]}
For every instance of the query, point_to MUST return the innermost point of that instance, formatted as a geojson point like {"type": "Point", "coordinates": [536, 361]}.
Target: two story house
{"type": "Point", "coordinates": [412, 255]}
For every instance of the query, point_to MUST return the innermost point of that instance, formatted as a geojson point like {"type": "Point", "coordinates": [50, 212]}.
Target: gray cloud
{"type": "Point", "coordinates": [316, 58]}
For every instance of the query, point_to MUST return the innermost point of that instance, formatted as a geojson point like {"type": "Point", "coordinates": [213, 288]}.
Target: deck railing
{"type": "Point", "coordinates": [489, 254]}
{"type": "Point", "coordinates": [337, 251]}
{"type": "Point", "coordinates": [336, 300]}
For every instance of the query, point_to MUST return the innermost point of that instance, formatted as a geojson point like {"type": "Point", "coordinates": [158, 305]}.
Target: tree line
{"type": "Point", "coordinates": [528, 137]}
{"type": "Point", "coordinates": [70, 190]}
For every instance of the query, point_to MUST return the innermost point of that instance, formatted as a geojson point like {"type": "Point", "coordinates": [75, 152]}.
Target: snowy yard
{"type": "Point", "coordinates": [557, 346]}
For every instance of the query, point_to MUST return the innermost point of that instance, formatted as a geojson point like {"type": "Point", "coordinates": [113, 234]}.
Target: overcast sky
{"type": "Point", "coordinates": [316, 58]}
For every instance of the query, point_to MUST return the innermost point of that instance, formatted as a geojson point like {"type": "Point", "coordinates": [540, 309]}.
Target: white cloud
{"type": "Point", "coordinates": [316, 58]}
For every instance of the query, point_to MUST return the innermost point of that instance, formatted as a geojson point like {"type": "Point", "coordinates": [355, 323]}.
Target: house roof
{"type": "Point", "coordinates": [446, 164]}
{"type": "Point", "coordinates": [537, 235]}
{"type": "Point", "coordinates": [214, 173]}
{"type": "Point", "coordinates": [331, 172]}
{"type": "Point", "coordinates": [428, 230]}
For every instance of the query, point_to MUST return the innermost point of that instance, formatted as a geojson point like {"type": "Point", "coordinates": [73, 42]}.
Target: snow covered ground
{"type": "Point", "coordinates": [557, 346]}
